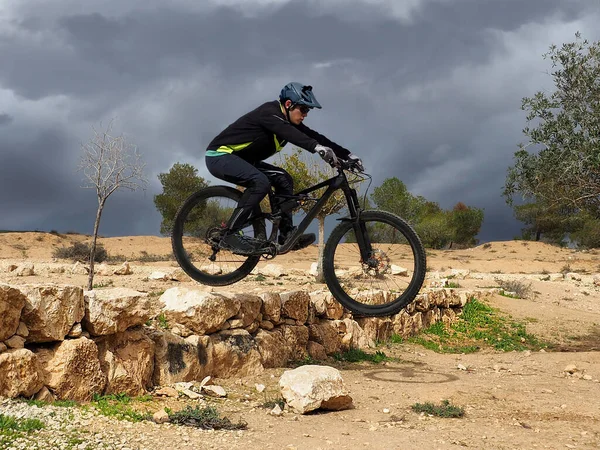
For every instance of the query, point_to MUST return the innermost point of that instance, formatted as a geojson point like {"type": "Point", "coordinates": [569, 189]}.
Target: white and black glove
{"type": "Point", "coordinates": [327, 154]}
{"type": "Point", "coordinates": [356, 161]}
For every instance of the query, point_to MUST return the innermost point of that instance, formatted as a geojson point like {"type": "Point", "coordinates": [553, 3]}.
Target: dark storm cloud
{"type": "Point", "coordinates": [425, 91]}
{"type": "Point", "coordinates": [5, 119]}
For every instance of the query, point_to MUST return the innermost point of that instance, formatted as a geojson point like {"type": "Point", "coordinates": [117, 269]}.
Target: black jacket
{"type": "Point", "coordinates": [265, 130]}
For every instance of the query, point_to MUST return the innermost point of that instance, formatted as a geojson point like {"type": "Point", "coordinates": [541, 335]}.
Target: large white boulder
{"type": "Point", "coordinates": [312, 387]}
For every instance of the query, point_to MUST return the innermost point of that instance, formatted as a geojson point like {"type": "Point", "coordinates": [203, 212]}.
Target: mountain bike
{"type": "Point", "coordinates": [373, 263]}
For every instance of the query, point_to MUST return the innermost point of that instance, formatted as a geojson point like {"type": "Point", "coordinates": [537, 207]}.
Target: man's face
{"type": "Point", "coordinates": [298, 113]}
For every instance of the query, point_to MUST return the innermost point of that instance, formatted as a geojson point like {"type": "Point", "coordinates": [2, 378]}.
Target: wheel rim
{"type": "Point", "coordinates": [379, 281]}
{"type": "Point", "coordinates": [202, 225]}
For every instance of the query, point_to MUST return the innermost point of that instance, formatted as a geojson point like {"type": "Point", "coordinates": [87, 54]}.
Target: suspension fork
{"type": "Point", "coordinates": [359, 227]}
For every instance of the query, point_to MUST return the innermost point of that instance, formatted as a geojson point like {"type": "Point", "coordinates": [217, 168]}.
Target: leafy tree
{"type": "Point", "coordinates": [109, 163]}
{"type": "Point", "coordinates": [565, 127]}
{"type": "Point", "coordinates": [466, 222]}
{"type": "Point", "coordinates": [306, 172]}
{"type": "Point", "coordinates": [393, 196]}
{"type": "Point", "coordinates": [178, 184]}
{"type": "Point", "coordinates": [436, 227]}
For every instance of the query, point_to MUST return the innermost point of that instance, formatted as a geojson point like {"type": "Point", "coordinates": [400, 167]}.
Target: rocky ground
{"type": "Point", "coordinates": [521, 400]}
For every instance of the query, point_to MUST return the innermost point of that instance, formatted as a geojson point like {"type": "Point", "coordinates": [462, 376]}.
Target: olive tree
{"type": "Point", "coordinates": [559, 164]}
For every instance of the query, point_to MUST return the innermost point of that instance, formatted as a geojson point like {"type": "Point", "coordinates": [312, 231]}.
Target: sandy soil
{"type": "Point", "coordinates": [517, 400]}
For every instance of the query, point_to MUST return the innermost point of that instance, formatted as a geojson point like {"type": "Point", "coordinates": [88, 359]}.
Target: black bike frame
{"type": "Point", "coordinates": [333, 184]}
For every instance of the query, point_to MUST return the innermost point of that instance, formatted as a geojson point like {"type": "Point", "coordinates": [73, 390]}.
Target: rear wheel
{"type": "Point", "coordinates": [385, 282]}
{"type": "Point", "coordinates": [197, 230]}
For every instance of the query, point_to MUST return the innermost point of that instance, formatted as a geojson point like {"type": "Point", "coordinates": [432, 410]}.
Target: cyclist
{"type": "Point", "coordinates": [237, 155]}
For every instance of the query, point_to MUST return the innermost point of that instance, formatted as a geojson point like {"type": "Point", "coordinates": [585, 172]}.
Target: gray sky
{"type": "Point", "coordinates": [428, 91]}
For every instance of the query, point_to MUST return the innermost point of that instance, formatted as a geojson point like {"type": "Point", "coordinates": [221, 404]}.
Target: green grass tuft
{"type": "Point", "coordinates": [445, 409]}
{"type": "Point", "coordinates": [117, 406]}
{"type": "Point", "coordinates": [205, 418]}
{"type": "Point", "coordinates": [478, 326]}
{"type": "Point", "coordinates": [355, 355]}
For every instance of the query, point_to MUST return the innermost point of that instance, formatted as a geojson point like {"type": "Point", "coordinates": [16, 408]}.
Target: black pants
{"type": "Point", "coordinates": [257, 178]}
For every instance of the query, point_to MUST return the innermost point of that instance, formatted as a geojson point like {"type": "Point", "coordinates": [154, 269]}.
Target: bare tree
{"type": "Point", "coordinates": [109, 163]}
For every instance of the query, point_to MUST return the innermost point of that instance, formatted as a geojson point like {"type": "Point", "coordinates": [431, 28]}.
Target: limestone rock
{"type": "Point", "coordinates": [44, 395]}
{"type": "Point", "coordinates": [127, 359]}
{"type": "Point", "coordinates": [25, 270]}
{"type": "Point", "coordinates": [201, 312]}
{"type": "Point", "coordinates": [20, 373]}
{"type": "Point", "coordinates": [125, 269]}
{"type": "Point", "coordinates": [235, 353]}
{"type": "Point", "coordinates": [160, 416]}
{"type": "Point", "coordinates": [294, 305]}
{"type": "Point", "coordinates": [325, 334]}
{"type": "Point", "coordinates": [316, 351]}
{"type": "Point", "coordinates": [376, 329]}
{"type": "Point", "coordinates": [114, 310]}
{"type": "Point", "coordinates": [76, 331]}
{"type": "Point", "coordinates": [79, 269]}
{"type": "Point", "coordinates": [273, 348]}
{"type": "Point", "coordinates": [273, 270]}
{"type": "Point", "coordinates": [50, 311]}
{"type": "Point", "coordinates": [166, 391]}
{"type": "Point", "coordinates": [326, 304]}
{"type": "Point", "coordinates": [158, 276]}
{"type": "Point", "coordinates": [15, 342]}
{"type": "Point", "coordinates": [296, 338]}
{"type": "Point", "coordinates": [400, 271]}
{"type": "Point", "coordinates": [22, 330]}
{"type": "Point", "coordinates": [177, 359]}
{"type": "Point", "coordinates": [102, 270]}
{"type": "Point", "coordinates": [12, 302]}
{"type": "Point", "coordinates": [310, 387]}
{"type": "Point", "coordinates": [271, 306]}
{"type": "Point", "coordinates": [250, 306]}
{"type": "Point", "coordinates": [314, 269]}
{"type": "Point", "coordinates": [72, 369]}
{"type": "Point", "coordinates": [214, 390]}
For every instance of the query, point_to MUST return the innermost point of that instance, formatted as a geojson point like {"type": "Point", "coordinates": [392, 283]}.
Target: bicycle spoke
{"type": "Point", "coordinates": [202, 228]}
{"type": "Point", "coordinates": [388, 272]}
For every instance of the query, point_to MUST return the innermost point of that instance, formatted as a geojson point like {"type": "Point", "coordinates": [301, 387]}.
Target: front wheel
{"type": "Point", "coordinates": [197, 229]}
{"type": "Point", "coordinates": [390, 276]}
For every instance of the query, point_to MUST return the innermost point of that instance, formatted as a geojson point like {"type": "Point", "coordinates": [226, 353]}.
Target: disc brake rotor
{"type": "Point", "coordinates": [378, 264]}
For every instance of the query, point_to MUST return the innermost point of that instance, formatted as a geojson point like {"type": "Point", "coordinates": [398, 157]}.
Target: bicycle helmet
{"type": "Point", "coordinates": [299, 95]}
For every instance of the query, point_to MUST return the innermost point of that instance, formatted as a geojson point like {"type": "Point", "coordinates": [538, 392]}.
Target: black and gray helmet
{"type": "Point", "coordinates": [299, 95]}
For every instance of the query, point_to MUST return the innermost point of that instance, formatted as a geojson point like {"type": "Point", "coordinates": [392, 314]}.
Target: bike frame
{"type": "Point", "coordinates": [340, 181]}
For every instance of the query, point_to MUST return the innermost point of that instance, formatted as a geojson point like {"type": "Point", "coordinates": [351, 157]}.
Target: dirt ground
{"type": "Point", "coordinates": [515, 400]}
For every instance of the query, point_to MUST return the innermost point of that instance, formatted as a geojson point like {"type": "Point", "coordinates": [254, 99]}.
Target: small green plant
{"type": "Point", "coordinates": [478, 326]}
{"type": "Point", "coordinates": [445, 409]}
{"type": "Point", "coordinates": [260, 277]}
{"type": "Point", "coordinates": [520, 289]}
{"type": "Point", "coordinates": [59, 403]}
{"type": "Point", "coordinates": [117, 406]}
{"type": "Point", "coordinates": [12, 428]}
{"type": "Point", "coordinates": [355, 355]}
{"type": "Point", "coordinates": [162, 321]}
{"type": "Point", "coordinates": [396, 339]}
{"type": "Point", "coordinates": [270, 404]}
{"type": "Point", "coordinates": [565, 269]}
{"type": "Point", "coordinates": [205, 418]}
{"type": "Point", "coordinates": [103, 284]}
{"type": "Point", "coordinates": [453, 285]}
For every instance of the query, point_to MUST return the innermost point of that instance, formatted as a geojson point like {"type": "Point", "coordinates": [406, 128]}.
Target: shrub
{"type": "Point", "coordinates": [80, 251]}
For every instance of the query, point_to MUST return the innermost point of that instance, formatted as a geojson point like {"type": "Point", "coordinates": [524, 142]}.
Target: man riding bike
{"type": "Point", "coordinates": [237, 155]}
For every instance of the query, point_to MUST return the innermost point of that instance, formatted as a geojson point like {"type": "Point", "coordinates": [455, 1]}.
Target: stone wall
{"type": "Point", "coordinates": [61, 342]}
